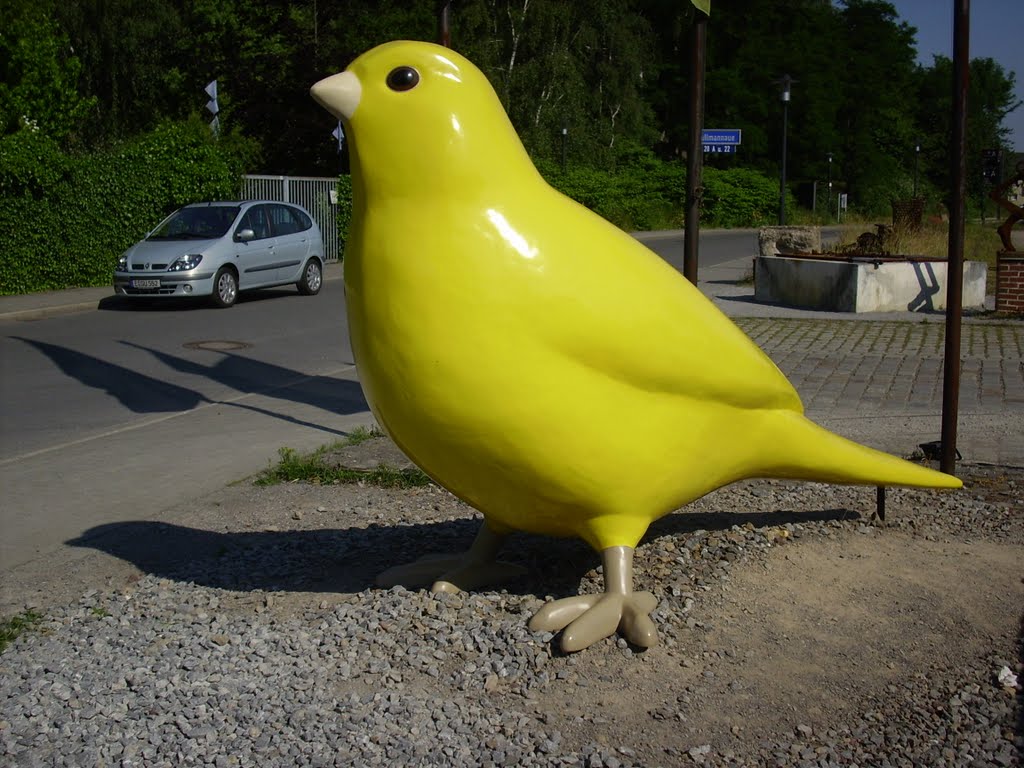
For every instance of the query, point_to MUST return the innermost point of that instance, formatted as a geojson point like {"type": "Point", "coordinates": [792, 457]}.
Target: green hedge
{"type": "Point", "coordinates": [344, 188]}
{"type": "Point", "coordinates": [649, 193]}
{"type": "Point", "coordinates": [64, 219]}
{"type": "Point", "coordinates": [738, 197]}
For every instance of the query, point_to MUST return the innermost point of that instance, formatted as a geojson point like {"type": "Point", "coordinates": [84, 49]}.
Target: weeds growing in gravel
{"type": "Point", "coordinates": [16, 625]}
{"type": "Point", "coordinates": [360, 435]}
{"type": "Point", "coordinates": [312, 468]}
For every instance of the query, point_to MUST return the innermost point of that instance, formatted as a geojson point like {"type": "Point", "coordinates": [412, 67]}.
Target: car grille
{"type": "Point", "coordinates": [152, 267]}
{"type": "Point", "coordinates": [164, 290]}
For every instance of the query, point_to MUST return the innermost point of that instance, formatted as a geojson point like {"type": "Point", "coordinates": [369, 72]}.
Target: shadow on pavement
{"type": "Point", "coordinates": [135, 391]}
{"type": "Point", "coordinates": [145, 394]}
{"type": "Point", "coordinates": [346, 560]}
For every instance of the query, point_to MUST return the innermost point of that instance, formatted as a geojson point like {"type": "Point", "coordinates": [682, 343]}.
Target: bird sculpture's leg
{"type": "Point", "coordinates": [589, 618]}
{"type": "Point", "coordinates": [452, 573]}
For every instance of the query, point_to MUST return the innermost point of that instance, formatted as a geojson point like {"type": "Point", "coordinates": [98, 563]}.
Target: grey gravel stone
{"type": "Point", "coordinates": [196, 666]}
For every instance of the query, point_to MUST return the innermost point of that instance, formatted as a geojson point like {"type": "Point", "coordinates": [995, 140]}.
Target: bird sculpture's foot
{"type": "Point", "coordinates": [589, 618]}
{"type": "Point", "coordinates": [454, 573]}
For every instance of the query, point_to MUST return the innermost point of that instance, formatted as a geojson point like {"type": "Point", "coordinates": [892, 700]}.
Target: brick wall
{"type": "Point", "coordinates": [1010, 282]}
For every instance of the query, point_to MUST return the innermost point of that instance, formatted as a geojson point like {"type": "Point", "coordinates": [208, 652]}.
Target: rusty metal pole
{"type": "Point", "coordinates": [444, 31]}
{"type": "Point", "coordinates": [786, 82]}
{"type": "Point", "coordinates": [957, 213]}
{"type": "Point", "coordinates": [695, 155]}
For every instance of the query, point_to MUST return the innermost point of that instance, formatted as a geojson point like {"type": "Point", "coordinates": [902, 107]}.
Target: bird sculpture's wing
{"type": "Point", "coordinates": [629, 315]}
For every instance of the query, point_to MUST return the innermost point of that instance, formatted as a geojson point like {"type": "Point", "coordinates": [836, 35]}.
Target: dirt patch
{"type": "Point", "coordinates": [822, 625]}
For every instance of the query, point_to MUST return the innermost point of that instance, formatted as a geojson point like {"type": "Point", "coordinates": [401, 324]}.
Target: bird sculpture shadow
{"type": "Point", "coordinates": [534, 359]}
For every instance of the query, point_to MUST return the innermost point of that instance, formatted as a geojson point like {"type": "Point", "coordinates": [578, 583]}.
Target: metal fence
{"type": "Point", "coordinates": [316, 195]}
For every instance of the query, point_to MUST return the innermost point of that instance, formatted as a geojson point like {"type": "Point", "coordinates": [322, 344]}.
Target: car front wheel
{"type": "Point", "coordinates": [312, 278]}
{"type": "Point", "coordinates": [225, 288]}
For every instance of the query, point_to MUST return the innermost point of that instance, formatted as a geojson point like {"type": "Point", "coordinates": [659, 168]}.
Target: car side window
{"type": "Point", "coordinates": [257, 220]}
{"type": "Point", "coordinates": [286, 220]}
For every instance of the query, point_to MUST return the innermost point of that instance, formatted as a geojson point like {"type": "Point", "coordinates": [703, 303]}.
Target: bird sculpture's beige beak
{"type": "Point", "coordinates": [339, 94]}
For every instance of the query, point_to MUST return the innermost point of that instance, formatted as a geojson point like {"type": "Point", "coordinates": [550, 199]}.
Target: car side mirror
{"type": "Point", "coordinates": [245, 235]}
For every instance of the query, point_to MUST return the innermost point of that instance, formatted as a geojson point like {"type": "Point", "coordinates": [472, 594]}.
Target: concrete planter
{"type": "Point", "coordinates": [834, 285]}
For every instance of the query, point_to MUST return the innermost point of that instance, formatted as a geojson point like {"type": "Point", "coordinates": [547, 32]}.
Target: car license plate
{"type": "Point", "coordinates": [145, 283]}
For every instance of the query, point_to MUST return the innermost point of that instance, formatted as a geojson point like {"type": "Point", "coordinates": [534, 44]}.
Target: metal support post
{"type": "Point", "coordinates": [955, 266]}
{"type": "Point", "coordinates": [695, 155]}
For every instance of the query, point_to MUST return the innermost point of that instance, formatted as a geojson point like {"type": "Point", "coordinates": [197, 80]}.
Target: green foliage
{"type": "Point", "coordinates": [613, 74]}
{"type": "Point", "coordinates": [740, 198]}
{"type": "Point", "coordinates": [313, 468]}
{"type": "Point", "coordinates": [64, 219]}
{"type": "Point", "coordinates": [38, 73]}
{"type": "Point", "coordinates": [344, 211]}
{"type": "Point", "coordinates": [11, 628]}
{"type": "Point", "coordinates": [131, 64]}
{"type": "Point", "coordinates": [582, 66]}
{"type": "Point", "coordinates": [642, 192]}
{"type": "Point", "coordinates": [648, 193]}
{"type": "Point", "coordinates": [990, 100]}
{"type": "Point", "coordinates": [362, 434]}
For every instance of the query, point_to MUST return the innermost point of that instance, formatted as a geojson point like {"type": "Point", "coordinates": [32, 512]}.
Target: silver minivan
{"type": "Point", "coordinates": [218, 249]}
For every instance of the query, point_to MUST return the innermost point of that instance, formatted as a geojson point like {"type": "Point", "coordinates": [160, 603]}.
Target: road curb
{"type": "Point", "coordinates": [42, 313]}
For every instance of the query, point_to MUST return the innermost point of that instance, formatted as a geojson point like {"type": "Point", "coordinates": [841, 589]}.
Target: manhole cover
{"type": "Point", "coordinates": [217, 345]}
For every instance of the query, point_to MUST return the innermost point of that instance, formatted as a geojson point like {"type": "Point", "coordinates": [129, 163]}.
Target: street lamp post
{"type": "Point", "coordinates": [828, 200]}
{"type": "Point", "coordinates": [786, 81]}
{"type": "Point", "coordinates": [565, 136]}
{"type": "Point", "coordinates": [917, 155]}
{"type": "Point", "coordinates": [444, 33]}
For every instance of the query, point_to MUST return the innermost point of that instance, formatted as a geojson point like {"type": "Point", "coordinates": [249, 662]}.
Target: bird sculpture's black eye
{"type": "Point", "coordinates": [403, 78]}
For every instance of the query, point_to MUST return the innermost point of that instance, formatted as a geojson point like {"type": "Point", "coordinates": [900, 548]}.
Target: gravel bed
{"type": "Point", "coordinates": [272, 649]}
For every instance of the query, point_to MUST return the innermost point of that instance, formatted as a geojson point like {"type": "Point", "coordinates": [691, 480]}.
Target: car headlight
{"type": "Point", "coordinates": [185, 263]}
{"type": "Point", "coordinates": [122, 263]}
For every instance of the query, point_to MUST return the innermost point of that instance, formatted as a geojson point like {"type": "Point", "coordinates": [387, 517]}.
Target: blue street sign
{"type": "Point", "coordinates": [726, 136]}
{"type": "Point", "coordinates": [720, 149]}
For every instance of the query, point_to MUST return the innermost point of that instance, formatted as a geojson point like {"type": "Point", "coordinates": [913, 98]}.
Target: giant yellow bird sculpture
{"type": "Point", "coordinates": [535, 360]}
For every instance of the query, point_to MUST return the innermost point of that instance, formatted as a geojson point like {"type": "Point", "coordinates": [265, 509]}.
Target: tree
{"type": "Point", "coordinates": [877, 102]}
{"type": "Point", "coordinates": [583, 66]}
{"type": "Point", "coordinates": [989, 100]}
{"type": "Point", "coordinates": [130, 63]}
{"type": "Point", "coordinates": [749, 49]}
{"type": "Point", "coordinates": [38, 73]}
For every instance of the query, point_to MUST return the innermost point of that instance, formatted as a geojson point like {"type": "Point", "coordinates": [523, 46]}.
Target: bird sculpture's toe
{"type": "Point", "coordinates": [586, 619]}
{"type": "Point", "coordinates": [454, 573]}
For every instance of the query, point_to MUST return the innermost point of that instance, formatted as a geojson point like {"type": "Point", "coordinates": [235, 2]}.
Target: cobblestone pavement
{"type": "Point", "coordinates": [893, 367]}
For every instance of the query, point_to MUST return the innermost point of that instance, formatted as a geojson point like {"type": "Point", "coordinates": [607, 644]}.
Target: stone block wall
{"type": "Point", "coordinates": [773, 241]}
{"type": "Point", "coordinates": [1010, 281]}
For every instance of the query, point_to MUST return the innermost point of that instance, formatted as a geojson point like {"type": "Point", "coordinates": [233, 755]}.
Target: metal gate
{"type": "Point", "coordinates": [316, 195]}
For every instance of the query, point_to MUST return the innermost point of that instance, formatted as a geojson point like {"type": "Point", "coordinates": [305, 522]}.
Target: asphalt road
{"type": "Point", "coordinates": [117, 414]}
{"type": "Point", "coordinates": [122, 412]}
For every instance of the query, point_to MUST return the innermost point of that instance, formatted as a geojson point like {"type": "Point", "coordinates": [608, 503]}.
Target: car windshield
{"type": "Point", "coordinates": [206, 223]}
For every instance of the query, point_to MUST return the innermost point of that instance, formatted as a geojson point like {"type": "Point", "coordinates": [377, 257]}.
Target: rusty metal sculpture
{"type": "Point", "coordinates": [1002, 198]}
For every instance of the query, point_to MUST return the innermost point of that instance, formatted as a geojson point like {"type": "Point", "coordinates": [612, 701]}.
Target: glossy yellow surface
{"type": "Point", "coordinates": [531, 357]}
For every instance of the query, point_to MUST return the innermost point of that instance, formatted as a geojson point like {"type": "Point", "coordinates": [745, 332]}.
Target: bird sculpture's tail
{"type": "Point", "coordinates": [805, 451]}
